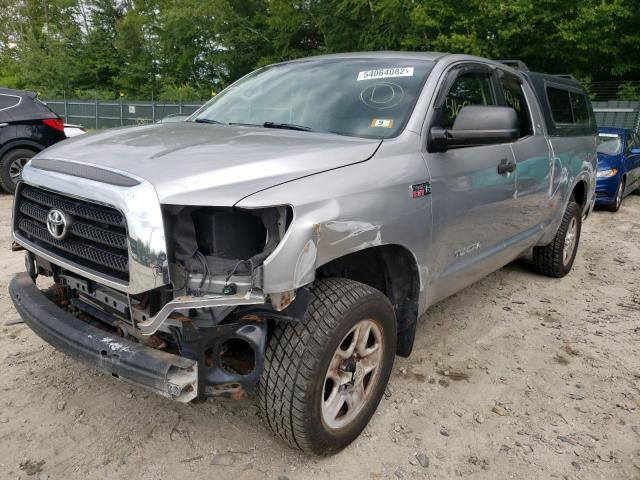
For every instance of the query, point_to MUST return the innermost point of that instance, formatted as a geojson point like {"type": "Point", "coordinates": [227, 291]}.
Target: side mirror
{"type": "Point", "coordinates": [478, 125]}
{"type": "Point", "coordinates": [635, 151]}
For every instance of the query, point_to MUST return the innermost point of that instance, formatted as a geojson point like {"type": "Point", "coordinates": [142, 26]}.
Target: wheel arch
{"type": "Point", "coordinates": [391, 269]}
{"type": "Point", "coordinates": [579, 193]}
{"type": "Point", "coordinates": [20, 143]}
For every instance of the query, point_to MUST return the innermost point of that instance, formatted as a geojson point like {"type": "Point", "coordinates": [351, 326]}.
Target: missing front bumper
{"type": "Point", "coordinates": [166, 374]}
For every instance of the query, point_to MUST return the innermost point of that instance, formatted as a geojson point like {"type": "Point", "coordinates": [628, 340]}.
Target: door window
{"type": "Point", "coordinates": [568, 107]}
{"type": "Point", "coordinates": [514, 98]}
{"type": "Point", "coordinates": [579, 107]}
{"type": "Point", "coordinates": [560, 104]}
{"type": "Point", "coordinates": [473, 88]}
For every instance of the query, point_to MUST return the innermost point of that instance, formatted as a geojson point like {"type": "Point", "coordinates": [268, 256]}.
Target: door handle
{"type": "Point", "coordinates": [506, 166]}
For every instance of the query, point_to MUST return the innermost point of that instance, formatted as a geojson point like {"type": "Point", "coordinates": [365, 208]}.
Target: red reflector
{"type": "Point", "coordinates": [56, 123]}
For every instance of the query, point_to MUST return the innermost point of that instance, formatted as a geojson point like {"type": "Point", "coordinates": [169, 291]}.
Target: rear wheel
{"type": "Point", "coordinates": [11, 167]}
{"type": "Point", "coordinates": [556, 259]}
{"type": "Point", "coordinates": [324, 377]}
{"type": "Point", "coordinates": [617, 202]}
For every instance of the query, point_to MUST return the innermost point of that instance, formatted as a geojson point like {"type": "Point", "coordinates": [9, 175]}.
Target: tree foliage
{"type": "Point", "coordinates": [176, 48]}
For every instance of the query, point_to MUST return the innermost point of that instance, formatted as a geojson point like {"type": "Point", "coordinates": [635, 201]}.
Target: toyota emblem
{"type": "Point", "coordinates": [57, 224]}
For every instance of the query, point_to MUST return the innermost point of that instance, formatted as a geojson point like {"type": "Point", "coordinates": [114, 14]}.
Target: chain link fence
{"type": "Point", "coordinates": [100, 114]}
{"type": "Point", "coordinates": [614, 90]}
{"type": "Point", "coordinates": [616, 113]}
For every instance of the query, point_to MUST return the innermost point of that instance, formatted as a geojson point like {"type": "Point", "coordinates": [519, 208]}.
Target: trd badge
{"type": "Point", "coordinates": [420, 189]}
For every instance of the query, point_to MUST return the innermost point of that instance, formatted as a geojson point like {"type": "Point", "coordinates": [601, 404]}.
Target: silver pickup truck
{"type": "Point", "coordinates": [290, 233]}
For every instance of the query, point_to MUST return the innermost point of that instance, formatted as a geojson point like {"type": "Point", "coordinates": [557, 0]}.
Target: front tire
{"type": "Point", "coordinates": [11, 167]}
{"type": "Point", "coordinates": [556, 259]}
{"type": "Point", "coordinates": [324, 376]}
{"type": "Point", "coordinates": [617, 202]}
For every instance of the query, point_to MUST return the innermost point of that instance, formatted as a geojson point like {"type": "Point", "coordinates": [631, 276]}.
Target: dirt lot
{"type": "Point", "coordinates": [518, 376]}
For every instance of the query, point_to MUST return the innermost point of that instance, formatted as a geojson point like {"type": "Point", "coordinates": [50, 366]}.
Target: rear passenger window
{"type": "Point", "coordinates": [514, 98]}
{"type": "Point", "coordinates": [473, 88]}
{"type": "Point", "coordinates": [579, 107]}
{"type": "Point", "coordinates": [8, 101]}
{"type": "Point", "coordinates": [560, 104]}
{"type": "Point", "coordinates": [567, 106]}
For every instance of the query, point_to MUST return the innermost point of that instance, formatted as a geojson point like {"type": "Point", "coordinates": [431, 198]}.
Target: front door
{"type": "Point", "coordinates": [472, 202]}
{"type": "Point", "coordinates": [533, 159]}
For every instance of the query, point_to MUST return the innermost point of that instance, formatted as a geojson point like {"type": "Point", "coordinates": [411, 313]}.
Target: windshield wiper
{"type": "Point", "coordinates": [287, 126]}
{"type": "Point", "coordinates": [206, 120]}
{"type": "Point", "coordinates": [245, 124]}
{"type": "Point", "coordinates": [284, 126]}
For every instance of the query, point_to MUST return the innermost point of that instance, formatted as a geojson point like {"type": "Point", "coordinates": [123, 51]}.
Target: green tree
{"type": "Point", "coordinates": [144, 47]}
{"type": "Point", "coordinates": [100, 62]}
{"type": "Point", "coordinates": [180, 93]}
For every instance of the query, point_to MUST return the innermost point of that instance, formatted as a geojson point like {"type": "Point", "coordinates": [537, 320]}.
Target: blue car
{"type": "Point", "coordinates": [618, 166]}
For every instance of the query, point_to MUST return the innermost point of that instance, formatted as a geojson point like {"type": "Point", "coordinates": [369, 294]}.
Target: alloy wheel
{"type": "Point", "coordinates": [570, 241]}
{"type": "Point", "coordinates": [352, 374]}
{"type": "Point", "coordinates": [16, 167]}
{"type": "Point", "coordinates": [619, 194]}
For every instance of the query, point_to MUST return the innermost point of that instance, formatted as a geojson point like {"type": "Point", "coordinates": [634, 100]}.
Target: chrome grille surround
{"type": "Point", "coordinates": [136, 207]}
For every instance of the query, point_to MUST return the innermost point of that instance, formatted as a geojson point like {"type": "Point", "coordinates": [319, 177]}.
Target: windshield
{"type": "Point", "coordinates": [361, 97]}
{"type": "Point", "coordinates": [609, 144]}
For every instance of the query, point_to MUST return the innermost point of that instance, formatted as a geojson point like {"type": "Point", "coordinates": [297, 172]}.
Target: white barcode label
{"type": "Point", "coordinates": [385, 73]}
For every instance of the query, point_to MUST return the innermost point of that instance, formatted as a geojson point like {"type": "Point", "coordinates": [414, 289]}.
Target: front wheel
{"type": "Point", "coordinates": [617, 202]}
{"type": "Point", "coordinates": [556, 259]}
{"type": "Point", "coordinates": [324, 376]}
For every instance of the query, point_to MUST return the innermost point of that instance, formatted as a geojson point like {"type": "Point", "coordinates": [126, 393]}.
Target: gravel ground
{"type": "Point", "coordinates": [517, 376]}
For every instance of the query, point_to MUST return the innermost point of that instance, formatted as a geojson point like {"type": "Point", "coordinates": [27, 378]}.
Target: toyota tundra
{"type": "Point", "coordinates": [286, 238]}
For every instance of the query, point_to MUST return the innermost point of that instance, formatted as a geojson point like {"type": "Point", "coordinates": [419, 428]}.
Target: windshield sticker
{"type": "Point", "coordinates": [385, 73]}
{"type": "Point", "coordinates": [382, 123]}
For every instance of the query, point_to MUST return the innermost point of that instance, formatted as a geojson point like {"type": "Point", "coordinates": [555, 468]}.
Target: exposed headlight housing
{"type": "Point", "coordinates": [607, 173]}
{"type": "Point", "coordinates": [219, 249]}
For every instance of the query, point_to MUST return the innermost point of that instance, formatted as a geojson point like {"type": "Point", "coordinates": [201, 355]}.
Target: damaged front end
{"type": "Point", "coordinates": [187, 283]}
{"type": "Point", "coordinates": [218, 314]}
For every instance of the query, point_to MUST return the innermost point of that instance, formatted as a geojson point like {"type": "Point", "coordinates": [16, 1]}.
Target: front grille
{"type": "Point", "coordinates": [96, 238]}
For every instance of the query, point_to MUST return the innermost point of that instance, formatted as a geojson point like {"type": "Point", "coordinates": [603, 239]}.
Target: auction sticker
{"type": "Point", "coordinates": [382, 123]}
{"type": "Point", "coordinates": [385, 73]}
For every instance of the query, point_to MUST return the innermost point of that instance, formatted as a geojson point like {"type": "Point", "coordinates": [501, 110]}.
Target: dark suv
{"type": "Point", "coordinates": [27, 126]}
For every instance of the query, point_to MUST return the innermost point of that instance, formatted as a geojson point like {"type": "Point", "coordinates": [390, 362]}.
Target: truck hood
{"type": "Point", "coordinates": [201, 164]}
